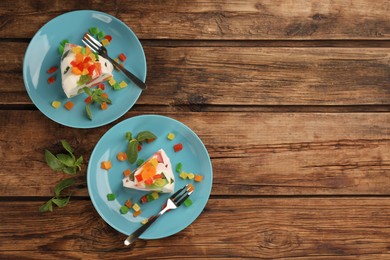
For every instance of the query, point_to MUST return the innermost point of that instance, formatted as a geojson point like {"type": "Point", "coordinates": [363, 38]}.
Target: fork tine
{"type": "Point", "coordinates": [90, 44]}
{"type": "Point", "coordinates": [183, 198]}
{"type": "Point", "coordinates": [174, 195]}
{"type": "Point", "coordinates": [96, 42]}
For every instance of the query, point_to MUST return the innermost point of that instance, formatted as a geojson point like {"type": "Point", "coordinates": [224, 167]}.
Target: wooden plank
{"type": "Point", "coordinates": [255, 76]}
{"type": "Point", "coordinates": [215, 20]}
{"type": "Point", "coordinates": [261, 228]}
{"type": "Point", "coordinates": [252, 153]}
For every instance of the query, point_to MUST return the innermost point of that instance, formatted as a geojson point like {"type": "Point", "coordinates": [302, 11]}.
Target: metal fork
{"type": "Point", "coordinates": [173, 202]}
{"type": "Point", "coordinates": [97, 47]}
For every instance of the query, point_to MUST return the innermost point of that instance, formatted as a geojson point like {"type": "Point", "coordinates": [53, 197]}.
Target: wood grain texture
{"type": "Point", "coordinates": [252, 153]}
{"type": "Point", "coordinates": [261, 228]}
{"type": "Point", "coordinates": [253, 76]}
{"type": "Point", "coordinates": [216, 20]}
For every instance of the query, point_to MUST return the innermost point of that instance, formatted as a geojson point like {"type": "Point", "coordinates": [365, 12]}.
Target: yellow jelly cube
{"type": "Point", "coordinates": [190, 176]}
{"type": "Point", "coordinates": [111, 81]}
{"type": "Point", "coordinates": [105, 42]}
{"type": "Point", "coordinates": [85, 72]}
{"type": "Point", "coordinates": [154, 162]}
{"type": "Point", "coordinates": [123, 84]}
{"type": "Point", "coordinates": [76, 49]}
{"type": "Point", "coordinates": [183, 175]}
{"type": "Point", "coordinates": [171, 136]}
{"type": "Point", "coordinates": [144, 221]}
{"type": "Point", "coordinates": [136, 207]}
{"type": "Point", "coordinates": [155, 195]}
{"type": "Point", "coordinates": [56, 104]}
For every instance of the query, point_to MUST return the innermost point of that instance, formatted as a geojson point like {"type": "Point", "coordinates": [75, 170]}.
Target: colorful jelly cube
{"type": "Point", "coordinates": [155, 195]}
{"type": "Point", "coordinates": [123, 84]}
{"type": "Point", "coordinates": [110, 196]}
{"type": "Point", "coordinates": [144, 199]}
{"type": "Point", "coordinates": [150, 197]}
{"type": "Point", "coordinates": [143, 222]}
{"type": "Point", "coordinates": [179, 167]}
{"type": "Point", "coordinates": [56, 104]}
{"type": "Point", "coordinates": [136, 207]}
{"type": "Point", "coordinates": [111, 81]}
{"type": "Point", "coordinates": [137, 213]}
{"type": "Point", "coordinates": [190, 176]}
{"type": "Point", "coordinates": [128, 203]}
{"type": "Point", "coordinates": [124, 210]}
{"type": "Point", "coordinates": [105, 42]}
{"type": "Point", "coordinates": [188, 202]}
{"type": "Point", "coordinates": [183, 175]}
{"type": "Point", "coordinates": [93, 30]}
{"type": "Point", "coordinates": [178, 147]}
{"type": "Point", "coordinates": [190, 187]}
{"type": "Point", "coordinates": [171, 136]}
{"type": "Point", "coordinates": [198, 178]}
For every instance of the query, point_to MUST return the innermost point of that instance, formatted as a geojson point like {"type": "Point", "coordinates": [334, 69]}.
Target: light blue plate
{"type": "Point", "coordinates": [194, 158]}
{"type": "Point", "coordinates": [42, 53]}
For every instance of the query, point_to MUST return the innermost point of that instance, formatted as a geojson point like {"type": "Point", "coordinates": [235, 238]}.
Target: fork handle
{"type": "Point", "coordinates": [136, 234]}
{"type": "Point", "coordinates": [128, 74]}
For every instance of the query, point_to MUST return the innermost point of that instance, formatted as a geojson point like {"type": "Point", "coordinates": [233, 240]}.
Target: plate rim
{"type": "Point", "coordinates": [89, 174]}
{"type": "Point", "coordinates": [78, 126]}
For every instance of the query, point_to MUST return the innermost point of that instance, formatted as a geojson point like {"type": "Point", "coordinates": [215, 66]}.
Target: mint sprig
{"type": "Point", "coordinates": [68, 164]}
{"type": "Point", "coordinates": [96, 96]}
{"type": "Point", "coordinates": [132, 147]}
{"type": "Point", "coordinates": [64, 162]}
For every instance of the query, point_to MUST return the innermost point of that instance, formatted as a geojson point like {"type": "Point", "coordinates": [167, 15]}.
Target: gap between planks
{"type": "Point", "coordinates": [251, 43]}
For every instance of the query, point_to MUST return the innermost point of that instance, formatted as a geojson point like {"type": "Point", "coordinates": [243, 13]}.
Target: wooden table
{"type": "Point", "coordinates": [291, 98]}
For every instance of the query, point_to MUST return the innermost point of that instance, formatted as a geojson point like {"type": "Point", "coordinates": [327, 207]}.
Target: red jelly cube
{"type": "Point", "coordinates": [178, 147]}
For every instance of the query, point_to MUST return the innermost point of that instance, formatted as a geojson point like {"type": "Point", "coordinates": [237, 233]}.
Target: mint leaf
{"type": "Point", "coordinates": [128, 136]}
{"type": "Point", "coordinates": [67, 147]}
{"type": "Point", "coordinates": [142, 136]}
{"type": "Point", "coordinates": [70, 170]}
{"type": "Point", "coordinates": [89, 113]}
{"type": "Point", "coordinates": [63, 185]}
{"type": "Point", "coordinates": [48, 206]}
{"type": "Point", "coordinates": [61, 202]}
{"type": "Point", "coordinates": [88, 91]}
{"type": "Point", "coordinates": [132, 151]}
{"type": "Point", "coordinates": [66, 159]}
{"type": "Point", "coordinates": [79, 162]}
{"type": "Point", "coordinates": [53, 162]}
{"type": "Point", "coordinates": [83, 80]}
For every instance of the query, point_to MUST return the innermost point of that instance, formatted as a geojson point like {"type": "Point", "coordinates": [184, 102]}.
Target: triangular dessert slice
{"type": "Point", "coordinates": [82, 68]}
{"type": "Point", "coordinates": [155, 174]}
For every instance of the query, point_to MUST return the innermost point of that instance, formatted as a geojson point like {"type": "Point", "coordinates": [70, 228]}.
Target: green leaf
{"type": "Point", "coordinates": [48, 206]}
{"type": "Point", "coordinates": [142, 136]}
{"type": "Point", "coordinates": [63, 185]}
{"type": "Point", "coordinates": [66, 159]}
{"type": "Point", "coordinates": [53, 162]}
{"type": "Point", "coordinates": [83, 80]}
{"type": "Point", "coordinates": [79, 162]}
{"type": "Point", "coordinates": [88, 109]}
{"type": "Point", "coordinates": [61, 202]}
{"type": "Point", "coordinates": [67, 147]}
{"type": "Point", "coordinates": [70, 170]}
{"type": "Point", "coordinates": [128, 136]}
{"type": "Point", "coordinates": [132, 151]}
{"type": "Point", "coordinates": [88, 91]}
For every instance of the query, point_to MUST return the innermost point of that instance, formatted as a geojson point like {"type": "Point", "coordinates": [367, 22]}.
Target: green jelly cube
{"type": "Point", "coordinates": [116, 86]}
{"type": "Point", "coordinates": [179, 167]}
{"type": "Point", "coordinates": [124, 210]}
{"type": "Point", "coordinates": [150, 197]}
{"type": "Point", "coordinates": [101, 35]}
{"type": "Point", "coordinates": [188, 202]}
{"type": "Point", "coordinates": [93, 30]}
{"type": "Point", "coordinates": [111, 196]}
{"type": "Point", "coordinates": [61, 49]}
